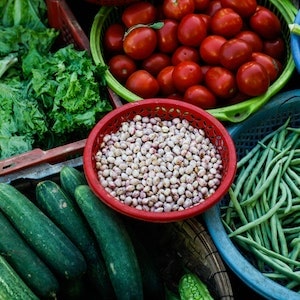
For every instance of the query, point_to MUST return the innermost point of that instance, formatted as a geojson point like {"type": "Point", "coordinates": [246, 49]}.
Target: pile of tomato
{"type": "Point", "coordinates": [206, 52]}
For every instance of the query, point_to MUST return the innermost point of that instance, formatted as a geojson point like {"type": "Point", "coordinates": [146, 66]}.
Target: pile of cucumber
{"type": "Point", "coordinates": [63, 243]}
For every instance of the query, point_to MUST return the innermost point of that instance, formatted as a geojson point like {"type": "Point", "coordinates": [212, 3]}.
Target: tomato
{"type": "Point", "coordinates": [234, 53]}
{"type": "Point", "coordinates": [221, 82]}
{"type": "Point", "coordinates": [252, 38]}
{"type": "Point", "coordinates": [167, 40]}
{"type": "Point", "coordinates": [140, 43]}
{"type": "Point", "coordinates": [175, 96]}
{"type": "Point", "coordinates": [177, 9]}
{"type": "Point", "coordinates": [210, 48]}
{"type": "Point", "coordinates": [191, 30]}
{"type": "Point", "coordinates": [156, 62]}
{"type": "Point", "coordinates": [113, 38]}
{"type": "Point", "coordinates": [245, 8]}
{"type": "Point", "coordinates": [204, 69]}
{"type": "Point", "coordinates": [185, 53]}
{"type": "Point", "coordinates": [201, 5]}
{"type": "Point", "coordinates": [186, 74]}
{"type": "Point", "coordinates": [165, 81]}
{"type": "Point", "coordinates": [212, 7]}
{"type": "Point", "coordinates": [200, 96]}
{"type": "Point", "coordinates": [121, 67]}
{"type": "Point", "coordinates": [252, 79]}
{"type": "Point", "coordinates": [272, 65]}
{"type": "Point", "coordinates": [226, 22]}
{"type": "Point", "coordinates": [139, 13]}
{"type": "Point", "coordinates": [274, 48]}
{"type": "Point", "coordinates": [265, 23]}
{"type": "Point", "coordinates": [143, 84]}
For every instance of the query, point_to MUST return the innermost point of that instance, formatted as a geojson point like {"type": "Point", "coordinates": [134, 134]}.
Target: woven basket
{"type": "Point", "coordinates": [233, 113]}
{"type": "Point", "coordinates": [184, 246]}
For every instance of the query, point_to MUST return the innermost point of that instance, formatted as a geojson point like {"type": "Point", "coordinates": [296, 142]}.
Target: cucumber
{"type": "Point", "coordinates": [11, 285]}
{"type": "Point", "coordinates": [115, 244]}
{"type": "Point", "coordinates": [25, 261]}
{"type": "Point", "coordinates": [70, 178]}
{"type": "Point", "coordinates": [65, 213]}
{"type": "Point", "coordinates": [49, 242]}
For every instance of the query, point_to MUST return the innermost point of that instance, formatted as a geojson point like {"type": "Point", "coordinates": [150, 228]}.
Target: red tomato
{"type": "Point", "coordinates": [165, 81]}
{"type": "Point", "coordinates": [191, 30]}
{"type": "Point", "coordinates": [185, 53]}
{"type": "Point", "coordinates": [234, 53]}
{"type": "Point", "coordinates": [221, 82]}
{"type": "Point", "coordinates": [122, 66]}
{"type": "Point", "coordinates": [176, 9]}
{"type": "Point", "coordinates": [140, 43]}
{"type": "Point", "coordinates": [252, 38]}
{"type": "Point", "coordinates": [143, 84]}
{"type": "Point", "coordinates": [265, 23]}
{"type": "Point", "coordinates": [210, 48]}
{"type": "Point", "coordinates": [245, 8]}
{"type": "Point", "coordinates": [201, 5]}
{"type": "Point", "coordinates": [186, 74]}
{"type": "Point", "coordinates": [139, 13]}
{"type": "Point", "coordinates": [156, 62]}
{"type": "Point", "coordinates": [204, 69]}
{"type": "Point", "coordinates": [226, 22]}
{"type": "Point", "coordinates": [200, 96]}
{"type": "Point", "coordinates": [252, 79]}
{"type": "Point", "coordinates": [272, 65]}
{"type": "Point", "coordinates": [167, 40]}
{"type": "Point", "coordinates": [274, 48]}
{"type": "Point", "coordinates": [113, 38]}
{"type": "Point", "coordinates": [212, 7]}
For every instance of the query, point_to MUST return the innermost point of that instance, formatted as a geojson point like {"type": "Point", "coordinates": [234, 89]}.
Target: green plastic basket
{"type": "Point", "coordinates": [233, 113]}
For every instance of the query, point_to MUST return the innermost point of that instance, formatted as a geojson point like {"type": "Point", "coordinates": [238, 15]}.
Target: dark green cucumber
{"type": "Point", "coordinates": [70, 178]}
{"type": "Point", "coordinates": [11, 284]}
{"type": "Point", "coordinates": [49, 242]}
{"type": "Point", "coordinates": [115, 244]}
{"type": "Point", "coordinates": [65, 213]}
{"type": "Point", "coordinates": [25, 261]}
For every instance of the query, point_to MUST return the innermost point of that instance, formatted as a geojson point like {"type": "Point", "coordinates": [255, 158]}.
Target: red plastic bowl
{"type": "Point", "coordinates": [166, 109]}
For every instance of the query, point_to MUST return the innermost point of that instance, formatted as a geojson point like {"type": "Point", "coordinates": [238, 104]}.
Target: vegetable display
{"type": "Point", "coordinates": [211, 46]}
{"type": "Point", "coordinates": [262, 214]}
{"type": "Point", "coordinates": [109, 244]}
{"type": "Point", "coordinates": [48, 94]}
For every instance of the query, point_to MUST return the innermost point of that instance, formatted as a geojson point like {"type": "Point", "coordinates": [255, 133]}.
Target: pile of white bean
{"type": "Point", "coordinates": [158, 166]}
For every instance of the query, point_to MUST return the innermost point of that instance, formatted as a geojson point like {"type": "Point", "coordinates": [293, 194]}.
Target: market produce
{"type": "Point", "coordinates": [115, 244]}
{"type": "Point", "coordinates": [48, 95]}
{"type": "Point", "coordinates": [32, 270]}
{"type": "Point", "coordinates": [221, 36]}
{"type": "Point", "coordinates": [158, 165]}
{"type": "Point", "coordinates": [11, 285]}
{"type": "Point", "coordinates": [191, 287]}
{"type": "Point", "coordinates": [39, 231]}
{"type": "Point", "coordinates": [262, 213]}
{"type": "Point", "coordinates": [60, 208]}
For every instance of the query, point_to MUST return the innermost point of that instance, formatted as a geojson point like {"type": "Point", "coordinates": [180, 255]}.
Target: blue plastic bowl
{"type": "Point", "coordinates": [295, 44]}
{"type": "Point", "coordinates": [245, 136]}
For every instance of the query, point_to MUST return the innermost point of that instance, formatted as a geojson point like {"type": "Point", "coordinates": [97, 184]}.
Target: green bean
{"type": "Point", "coordinates": [270, 253]}
{"type": "Point", "coordinates": [291, 230]}
{"type": "Point", "coordinates": [263, 218]}
{"type": "Point", "coordinates": [291, 184]}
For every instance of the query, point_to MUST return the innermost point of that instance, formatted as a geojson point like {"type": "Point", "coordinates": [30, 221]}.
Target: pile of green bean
{"type": "Point", "coordinates": [262, 215]}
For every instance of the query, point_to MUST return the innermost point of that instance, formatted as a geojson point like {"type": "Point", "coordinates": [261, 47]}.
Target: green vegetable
{"type": "Point", "coordinates": [7, 62]}
{"type": "Point", "coordinates": [192, 288]}
{"type": "Point", "coordinates": [115, 244]}
{"type": "Point", "coordinates": [63, 210]}
{"type": "Point", "coordinates": [263, 209]}
{"type": "Point", "coordinates": [11, 285]}
{"type": "Point", "coordinates": [295, 28]}
{"type": "Point", "coordinates": [25, 261]}
{"type": "Point", "coordinates": [49, 242]}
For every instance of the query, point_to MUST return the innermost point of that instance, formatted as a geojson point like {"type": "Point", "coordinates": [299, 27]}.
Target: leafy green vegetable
{"type": "Point", "coordinates": [28, 13]}
{"type": "Point", "coordinates": [47, 98]}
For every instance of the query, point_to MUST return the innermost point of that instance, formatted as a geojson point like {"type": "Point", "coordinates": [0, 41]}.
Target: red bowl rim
{"type": "Point", "coordinates": [103, 195]}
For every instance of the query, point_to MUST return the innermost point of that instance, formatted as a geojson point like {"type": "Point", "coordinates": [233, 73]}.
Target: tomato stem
{"type": "Point", "coordinates": [156, 25]}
